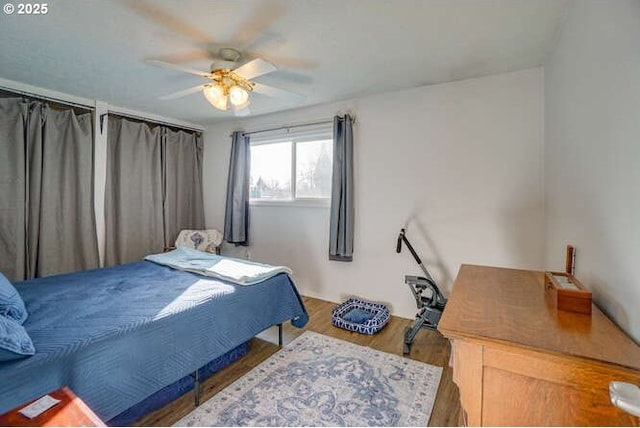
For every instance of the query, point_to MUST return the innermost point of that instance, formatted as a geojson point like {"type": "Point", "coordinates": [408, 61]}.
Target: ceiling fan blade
{"type": "Point", "coordinates": [260, 19]}
{"type": "Point", "coordinates": [172, 66]}
{"type": "Point", "coordinates": [182, 93]}
{"type": "Point", "coordinates": [255, 68]}
{"type": "Point", "coordinates": [277, 93]}
{"type": "Point", "coordinates": [166, 18]}
{"type": "Point", "coordinates": [282, 61]}
{"type": "Point", "coordinates": [246, 111]}
{"type": "Point", "coordinates": [185, 57]}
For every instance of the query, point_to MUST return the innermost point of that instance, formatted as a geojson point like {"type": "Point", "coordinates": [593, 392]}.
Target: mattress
{"type": "Point", "coordinates": [118, 334]}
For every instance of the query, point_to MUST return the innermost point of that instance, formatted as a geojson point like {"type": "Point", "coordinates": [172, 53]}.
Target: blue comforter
{"type": "Point", "coordinates": [118, 334]}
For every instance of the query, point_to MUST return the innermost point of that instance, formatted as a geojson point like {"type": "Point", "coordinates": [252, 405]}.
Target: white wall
{"type": "Point", "coordinates": [592, 152]}
{"type": "Point", "coordinates": [460, 164]}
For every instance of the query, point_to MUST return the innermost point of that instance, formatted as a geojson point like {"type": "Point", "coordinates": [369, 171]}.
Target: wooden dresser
{"type": "Point", "coordinates": [518, 361]}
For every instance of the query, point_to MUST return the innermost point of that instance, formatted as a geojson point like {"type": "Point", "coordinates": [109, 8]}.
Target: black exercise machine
{"type": "Point", "coordinates": [430, 305]}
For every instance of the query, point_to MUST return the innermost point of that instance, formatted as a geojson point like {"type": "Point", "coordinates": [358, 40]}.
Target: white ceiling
{"type": "Point", "coordinates": [327, 50]}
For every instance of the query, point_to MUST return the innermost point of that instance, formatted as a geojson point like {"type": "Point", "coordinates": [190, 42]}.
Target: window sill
{"type": "Point", "coordinates": [297, 203]}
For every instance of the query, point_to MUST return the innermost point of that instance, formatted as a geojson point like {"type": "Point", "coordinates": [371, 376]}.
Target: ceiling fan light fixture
{"type": "Point", "coordinates": [230, 86]}
{"type": "Point", "coordinates": [238, 96]}
{"type": "Point", "coordinates": [215, 94]}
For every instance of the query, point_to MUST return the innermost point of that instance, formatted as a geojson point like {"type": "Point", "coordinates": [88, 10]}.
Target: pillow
{"type": "Point", "coordinates": [204, 240]}
{"type": "Point", "coordinates": [14, 341]}
{"type": "Point", "coordinates": [11, 304]}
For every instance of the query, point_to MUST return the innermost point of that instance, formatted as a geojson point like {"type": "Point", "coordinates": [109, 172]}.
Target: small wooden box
{"type": "Point", "coordinates": [567, 293]}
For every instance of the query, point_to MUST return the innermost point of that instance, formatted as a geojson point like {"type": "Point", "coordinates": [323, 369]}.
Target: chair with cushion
{"type": "Point", "coordinates": [208, 240]}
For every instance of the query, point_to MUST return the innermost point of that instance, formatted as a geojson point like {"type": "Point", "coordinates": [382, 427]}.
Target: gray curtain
{"type": "Point", "coordinates": [133, 195]}
{"type": "Point", "coordinates": [13, 243]}
{"type": "Point", "coordinates": [46, 189]}
{"type": "Point", "coordinates": [182, 165]}
{"type": "Point", "coordinates": [236, 218]}
{"type": "Point", "coordinates": [153, 190]}
{"type": "Point", "coordinates": [341, 227]}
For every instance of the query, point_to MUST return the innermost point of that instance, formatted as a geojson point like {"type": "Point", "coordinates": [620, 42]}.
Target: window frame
{"type": "Point", "coordinates": [294, 139]}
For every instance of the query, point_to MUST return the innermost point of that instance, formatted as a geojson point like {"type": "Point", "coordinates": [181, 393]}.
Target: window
{"type": "Point", "coordinates": [291, 169]}
{"type": "Point", "coordinates": [271, 171]}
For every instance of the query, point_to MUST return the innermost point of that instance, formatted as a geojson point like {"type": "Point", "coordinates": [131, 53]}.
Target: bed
{"type": "Point", "coordinates": [117, 335]}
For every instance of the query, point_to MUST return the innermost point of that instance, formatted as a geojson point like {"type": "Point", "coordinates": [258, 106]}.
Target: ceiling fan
{"type": "Point", "coordinates": [230, 87]}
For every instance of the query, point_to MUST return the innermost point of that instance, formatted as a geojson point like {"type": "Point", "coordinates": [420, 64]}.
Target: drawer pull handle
{"type": "Point", "coordinates": [625, 396]}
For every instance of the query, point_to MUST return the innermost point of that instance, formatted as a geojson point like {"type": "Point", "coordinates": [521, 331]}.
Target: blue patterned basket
{"type": "Point", "coordinates": [360, 316]}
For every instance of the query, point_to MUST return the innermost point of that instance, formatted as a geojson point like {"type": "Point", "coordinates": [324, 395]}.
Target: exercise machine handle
{"type": "Point", "coordinates": [399, 246]}
{"type": "Point", "coordinates": [402, 238]}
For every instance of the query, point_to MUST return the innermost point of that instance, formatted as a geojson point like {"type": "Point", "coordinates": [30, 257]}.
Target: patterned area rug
{"type": "Point", "coordinates": [321, 381]}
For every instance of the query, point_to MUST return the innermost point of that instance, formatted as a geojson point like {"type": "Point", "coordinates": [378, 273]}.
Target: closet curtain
{"type": "Point", "coordinates": [341, 226]}
{"type": "Point", "coordinates": [153, 189]}
{"type": "Point", "coordinates": [182, 165]}
{"type": "Point", "coordinates": [133, 192]}
{"type": "Point", "coordinates": [47, 221]}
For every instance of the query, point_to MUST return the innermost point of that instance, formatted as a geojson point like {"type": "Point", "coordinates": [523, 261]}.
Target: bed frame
{"type": "Point", "coordinates": [196, 376]}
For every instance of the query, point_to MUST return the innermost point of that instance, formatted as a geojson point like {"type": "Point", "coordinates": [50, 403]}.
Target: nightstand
{"type": "Point", "coordinates": [71, 411]}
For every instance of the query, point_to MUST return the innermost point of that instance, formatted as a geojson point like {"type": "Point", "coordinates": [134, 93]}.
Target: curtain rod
{"type": "Point", "coordinates": [47, 98]}
{"type": "Point", "coordinates": [301, 125]}
{"type": "Point", "coordinates": [145, 119]}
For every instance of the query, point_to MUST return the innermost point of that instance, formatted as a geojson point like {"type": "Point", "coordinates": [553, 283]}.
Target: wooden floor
{"type": "Point", "coordinates": [428, 346]}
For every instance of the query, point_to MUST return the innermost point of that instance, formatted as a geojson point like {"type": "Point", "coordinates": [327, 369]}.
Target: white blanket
{"type": "Point", "coordinates": [238, 271]}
